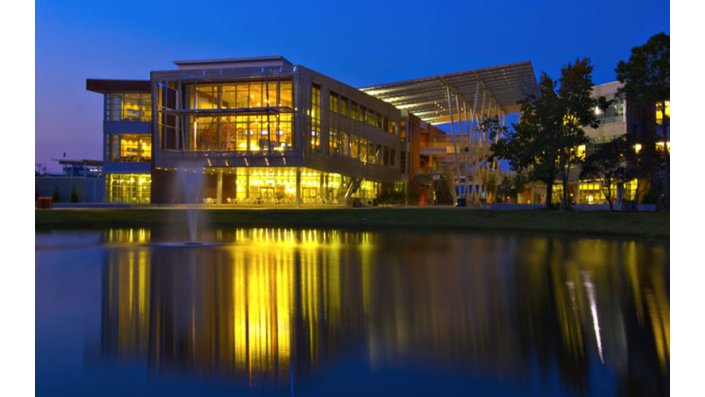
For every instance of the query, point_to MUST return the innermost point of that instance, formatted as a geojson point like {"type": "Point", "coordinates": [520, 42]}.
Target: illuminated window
{"type": "Point", "coordinates": [354, 147]}
{"type": "Point", "coordinates": [613, 113]}
{"type": "Point", "coordinates": [128, 107]}
{"type": "Point", "coordinates": [129, 147]}
{"type": "Point", "coordinates": [344, 144]}
{"type": "Point", "coordinates": [354, 113]}
{"type": "Point", "coordinates": [371, 117]}
{"type": "Point", "coordinates": [344, 106]}
{"type": "Point", "coordinates": [333, 102]}
{"type": "Point", "coordinates": [315, 142]}
{"type": "Point", "coordinates": [659, 114]}
{"type": "Point", "coordinates": [333, 142]}
{"type": "Point", "coordinates": [659, 146]}
{"type": "Point", "coordinates": [393, 128]}
{"type": "Point", "coordinates": [252, 94]}
{"type": "Point", "coordinates": [262, 185]}
{"type": "Point", "coordinates": [363, 150]}
{"type": "Point", "coordinates": [129, 188]}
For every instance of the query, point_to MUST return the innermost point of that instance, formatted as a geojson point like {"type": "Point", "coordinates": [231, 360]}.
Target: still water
{"type": "Point", "coordinates": [288, 312]}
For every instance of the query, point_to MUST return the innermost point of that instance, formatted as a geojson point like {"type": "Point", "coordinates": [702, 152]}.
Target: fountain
{"type": "Point", "coordinates": [188, 188]}
{"type": "Point", "coordinates": [190, 177]}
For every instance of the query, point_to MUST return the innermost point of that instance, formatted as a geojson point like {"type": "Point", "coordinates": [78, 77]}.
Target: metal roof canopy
{"type": "Point", "coordinates": [427, 97]}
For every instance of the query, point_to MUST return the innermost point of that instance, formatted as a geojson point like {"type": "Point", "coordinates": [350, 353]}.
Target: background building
{"type": "Point", "coordinates": [617, 120]}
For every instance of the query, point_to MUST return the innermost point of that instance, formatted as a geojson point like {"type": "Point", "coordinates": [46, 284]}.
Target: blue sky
{"type": "Point", "coordinates": [360, 43]}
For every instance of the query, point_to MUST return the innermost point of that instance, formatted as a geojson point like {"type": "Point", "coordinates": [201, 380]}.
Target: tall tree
{"type": "Point", "coordinates": [647, 85]}
{"type": "Point", "coordinates": [546, 139]}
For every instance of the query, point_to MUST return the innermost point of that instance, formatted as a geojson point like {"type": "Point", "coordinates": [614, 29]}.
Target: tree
{"type": "Point", "coordinates": [647, 85]}
{"type": "Point", "coordinates": [511, 186]}
{"type": "Point", "coordinates": [546, 139]}
{"type": "Point", "coordinates": [56, 196]}
{"type": "Point", "coordinates": [640, 164]}
{"type": "Point", "coordinates": [74, 195]}
{"type": "Point", "coordinates": [490, 182]}
{"type": "Point", "coordinates": [608, 165]}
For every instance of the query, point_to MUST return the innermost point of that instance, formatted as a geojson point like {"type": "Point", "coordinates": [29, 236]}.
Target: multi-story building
{"type": "Point", "coordinates": [265, 131]}
{"type": "Point", "coordinates": [615, 121]}
{"type": "Point", "coordinates": [127, 139]}
{"type": "Point", "coordinates": [270, 131]}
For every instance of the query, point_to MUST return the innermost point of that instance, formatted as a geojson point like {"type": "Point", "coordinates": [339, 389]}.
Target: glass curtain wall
{"type": "Point", "coordinates": [129, 188]}
{"type": "Point", "coordinates": [134, 107]}
{"type": "Point", "coordinates": [315, 141]}
{"type": "Point", "coordinates": [270, 185]}
{"type": "Point", "coordinates": [129, 147]}
{"type": "Point", "coordinates": [242, 133]}
{"type": "Point", "coordinates": [261, 117]}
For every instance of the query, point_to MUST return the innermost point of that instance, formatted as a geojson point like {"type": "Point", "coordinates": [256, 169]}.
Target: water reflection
{"type": "Point", "coordinates": [276, 305]}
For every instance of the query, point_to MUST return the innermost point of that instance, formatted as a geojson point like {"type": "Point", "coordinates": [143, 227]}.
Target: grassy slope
{"type": "Point", "coordinates": [652, 225]}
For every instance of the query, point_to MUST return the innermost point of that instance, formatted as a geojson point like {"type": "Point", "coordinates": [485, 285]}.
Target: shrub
{"type": "Point", "coordinates": [56, 196]}
{"type": "Point", "coordinates": [74, 195]}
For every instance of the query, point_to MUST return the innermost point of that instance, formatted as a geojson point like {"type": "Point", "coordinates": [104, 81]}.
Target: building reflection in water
{"type": "Point", "coordinates": [273, 304]}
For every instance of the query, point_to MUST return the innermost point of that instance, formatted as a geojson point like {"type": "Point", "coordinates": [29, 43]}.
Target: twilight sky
{"type": "Point", "coordinates": [358, 42]}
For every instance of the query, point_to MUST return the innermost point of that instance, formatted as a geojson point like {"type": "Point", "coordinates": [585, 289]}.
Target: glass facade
{"type": "Point", "coordinates": [242, 133]}
{"type": "Point", "coordinates": [245, 121]}
{"type": "Point", "coordinates": [129, 147]}
{"type": "Point", "coordinates": [129, 188]}
{"type": "Point", "coordinates": [261, 117]}
{"type": "Point", "coordinates": [315, 140]}
{"type": "Point", "coordinates": [591, 192]}
{"type": "Point", "coordinates": [240, 95]}
{"type": "Point", "coordinates": [134, 107]}
{"type": "Point", "coordinates": [277, 186]}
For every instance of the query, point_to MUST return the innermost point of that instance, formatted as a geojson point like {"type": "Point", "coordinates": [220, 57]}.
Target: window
{"type": "Point", "coordinates": [613, 113]}
{"type": "Point", "coordinates": [333, 142]}
{"type": "Point", "coordinates": [315, 142]}
{"type": "Point", "coordinates": [135, 107]}
{"type": "Point", "coordinates": [363, 150]}
{"type": "Point", "coordinates": [248, 94]}
{"type": "Point", "coordinates": [333, 102]}
{"type": "Point", "coordinates": [371, 117]}
{"type": "Point", "coordinates": [129, 147]}
{"type": "Point", "coordinates": [344, 144]}
{"type": "Point", "coordinates": [354, 114]}
{"type": "Point", "coordinates": [129, 188]}
{"type": "Point", "coordinates": [354, 147]}
{"type": "Point", "coordinates": [659, 114]}
{"type": "Point", "coordinates": [344, 106]}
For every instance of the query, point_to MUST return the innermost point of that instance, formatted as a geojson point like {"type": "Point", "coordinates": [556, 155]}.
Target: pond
{"type": "Point", "coordinates": [332, 312]}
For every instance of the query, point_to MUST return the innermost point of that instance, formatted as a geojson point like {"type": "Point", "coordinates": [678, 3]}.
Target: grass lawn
{"type": "Point", "coordinates": [642, 224]}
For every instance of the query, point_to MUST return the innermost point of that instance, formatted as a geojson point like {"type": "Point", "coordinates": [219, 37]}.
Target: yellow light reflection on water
{"type": "Point", "coordinates": [251, 306]}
